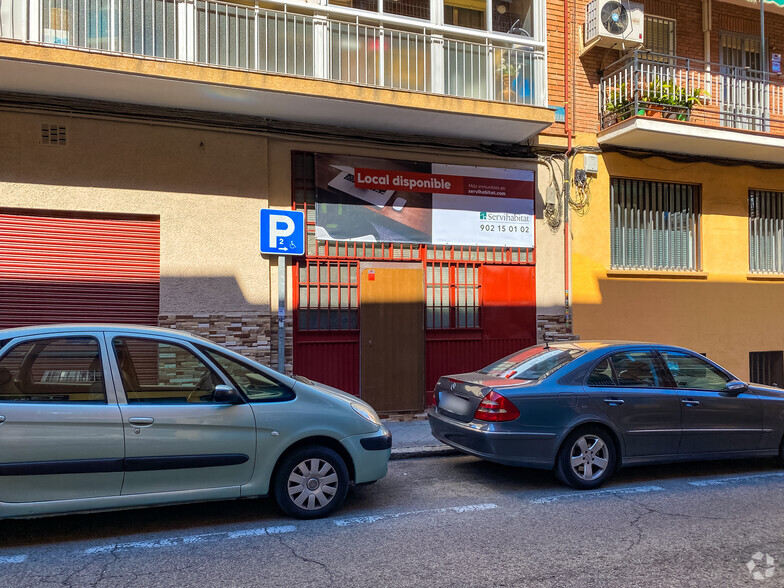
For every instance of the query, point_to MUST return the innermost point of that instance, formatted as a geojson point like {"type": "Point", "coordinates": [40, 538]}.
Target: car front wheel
{"type": "Point", "coordinates": [586, 459]}
{"type": "Point", "coordinates": [311, 482]}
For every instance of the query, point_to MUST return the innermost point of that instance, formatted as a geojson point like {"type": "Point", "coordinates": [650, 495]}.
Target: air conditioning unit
{"type": "Point", "coordinates": [614, 23]}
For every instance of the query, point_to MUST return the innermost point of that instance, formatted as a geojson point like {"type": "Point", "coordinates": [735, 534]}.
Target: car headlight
{"type": "Point", "coordinates": [366, 413]}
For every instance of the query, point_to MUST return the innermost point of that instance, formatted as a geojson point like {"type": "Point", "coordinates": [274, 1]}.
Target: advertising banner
{"type": "Point", "coordinates": [367, 199]}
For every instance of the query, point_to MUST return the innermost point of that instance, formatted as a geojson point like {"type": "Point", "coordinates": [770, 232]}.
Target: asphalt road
{"type": "Point", "coordinates": [446, 521]}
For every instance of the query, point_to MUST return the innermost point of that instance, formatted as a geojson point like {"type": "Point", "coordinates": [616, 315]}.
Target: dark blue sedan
{"type": "Point", "coordinates": [585, 409]}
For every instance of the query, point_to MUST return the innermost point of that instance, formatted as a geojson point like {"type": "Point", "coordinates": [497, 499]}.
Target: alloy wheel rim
{"type": "Point", "coordinates": [589, 457]}
{"type": "Point", "coordinates": [312, 484]}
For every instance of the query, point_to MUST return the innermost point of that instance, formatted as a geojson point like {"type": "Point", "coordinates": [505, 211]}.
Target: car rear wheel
{"type": "Point", "coordinates": [586, 459]}
{"type": "Point", "coordinates": [311, 482]}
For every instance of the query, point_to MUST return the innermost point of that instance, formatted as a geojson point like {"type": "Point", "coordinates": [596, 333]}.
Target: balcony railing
{"type": "Point", "coordinates": [649, 84]}
{"type": "Point", "coordinates": [288, 42]}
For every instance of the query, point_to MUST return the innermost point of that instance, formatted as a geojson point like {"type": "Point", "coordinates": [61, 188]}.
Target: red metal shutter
{"type": "Point", "coordinates": [78, 269]}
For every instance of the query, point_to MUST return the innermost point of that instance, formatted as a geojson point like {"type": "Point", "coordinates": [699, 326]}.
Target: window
{"type": "Point", "coordinates": [532, 363]}
{"type": "Point", "coordinates": [156, 372]}
{"type": "Point", "coordinates": [636, 369]}
{"type": "Point", "coordinates": [452, 295]}
{"type": "Point", "coordinates": [513, 16]}
{"type": "Point", "coordinates": [654, 225]}
{"type": "Point", "coordinates": [328, 296]}
{"type": "Point", "coordinates": [359, 4]}
{"type": "Point", "coordinates": [256, 385]}
{"type": "Point", "coordinates": [766, 232]}
{"type": "Point", "coordinates": [53, 370]}
{"type": "Point", "coordinates": [410, 8]}
{"type": "Point", "coordinates": [465, 13]}
{"type": "Point", "coordinates": [694, 373]}
{"type": "Point", "coordinates": [602, 374]}
{"type": "Point", "coordinates": [659, 37]}
{"type": "Point", "coordinates": [767, 367]}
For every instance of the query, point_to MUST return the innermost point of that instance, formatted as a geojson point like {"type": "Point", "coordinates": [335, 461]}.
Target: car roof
{"type": "Point", "coordinates": [86, 327]}
{"type": "Point", "coordinates": [608, 345]}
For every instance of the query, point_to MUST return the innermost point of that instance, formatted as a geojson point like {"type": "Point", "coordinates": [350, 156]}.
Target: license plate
{"type": "Point", "coordinates": [453, 403]}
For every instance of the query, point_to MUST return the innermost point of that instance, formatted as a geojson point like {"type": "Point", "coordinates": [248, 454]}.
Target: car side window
{"type": "Point", "coordinates": [159, 372]}
{"type": "Point", "coordinates": [694, 373]}
{"type": "Point", "coordinates": [636, 369]}
{"type": "Point", "coordinates": [257, 386]}
{"type": "Point", "coordinates": [64, 369]}
{"type": "Point", "coordinates": [602, 374]}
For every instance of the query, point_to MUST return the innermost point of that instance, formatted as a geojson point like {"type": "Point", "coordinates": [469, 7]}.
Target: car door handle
{"type": "Point", "coordinates": [613, 401]}
{"type": "Point", "coordinates": [690, 402]}
{"type": "Point", "coordinates": [141, 421]}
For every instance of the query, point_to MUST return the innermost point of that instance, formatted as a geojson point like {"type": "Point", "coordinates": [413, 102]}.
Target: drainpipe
{"type": "Point", "coordinates": [707, 25]}
{"type": "Point", "coordinates": [567, 172]}
{"type": "Point", "coordinates": [762, 39]}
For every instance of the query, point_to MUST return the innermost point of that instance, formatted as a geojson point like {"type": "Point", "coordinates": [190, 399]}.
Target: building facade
{"type": "Point", "coordinates": [141, 138]}
{"type": "Point", "coordinates": [678, 238]}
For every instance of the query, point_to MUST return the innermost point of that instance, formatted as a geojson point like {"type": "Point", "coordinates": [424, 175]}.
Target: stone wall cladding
{"type": "Point", "coordinates": [248, 334]}
{"type": "Point", "coordinates": [556, 327]}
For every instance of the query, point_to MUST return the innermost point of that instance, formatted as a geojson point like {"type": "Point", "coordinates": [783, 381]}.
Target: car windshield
{"type": "Point", "coordinates": [533, 363]}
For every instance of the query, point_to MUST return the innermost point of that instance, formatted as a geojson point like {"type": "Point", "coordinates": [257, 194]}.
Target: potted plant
{"type": "Point", "coordinates": [618, 106]}
{"type": "Point", "coordinates": [688, 100]}
{"type": "Point", "coordinates": [509, 71]}
{"type": "Point", "coordinates": [669, 100]}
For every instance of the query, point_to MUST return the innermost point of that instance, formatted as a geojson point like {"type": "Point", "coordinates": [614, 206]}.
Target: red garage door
{"type": "Point", "coordinates": [77, 268]}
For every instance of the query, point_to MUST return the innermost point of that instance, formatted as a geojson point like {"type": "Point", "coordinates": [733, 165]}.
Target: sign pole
{"type": "Point", "coordinates": [282, 314]}
{"type": "Point", "coordinates": [282, 234]}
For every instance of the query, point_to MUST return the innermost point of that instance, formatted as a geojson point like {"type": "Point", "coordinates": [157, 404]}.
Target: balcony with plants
{"type": "Point", "coordinates": [644, 97]}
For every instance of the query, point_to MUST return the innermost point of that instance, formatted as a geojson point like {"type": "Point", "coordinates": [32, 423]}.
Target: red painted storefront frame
{"type": "Point", "coordinates": [506, 297]}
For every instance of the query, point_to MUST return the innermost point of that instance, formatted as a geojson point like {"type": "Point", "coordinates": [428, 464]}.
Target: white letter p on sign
{"type": "Point", "coordinates": [280, 226]}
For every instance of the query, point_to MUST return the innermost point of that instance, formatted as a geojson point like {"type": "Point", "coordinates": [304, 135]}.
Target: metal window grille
{"type": "Point", "coordinates": [766, 232]}
{"type": "Point", "coordinates": [767, 367]}
{"type": "Point", "coordinates": [654, 225]}
{"type": "Point", "coordinates": [452, 300]}
{"type": "Point", "coordinates": [328, 295]}
{"type": "Point", "coordinates": [659, 37]}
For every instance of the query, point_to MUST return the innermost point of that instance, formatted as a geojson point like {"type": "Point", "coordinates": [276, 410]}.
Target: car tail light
{"type": "Point", "coordinates": [495, 407]}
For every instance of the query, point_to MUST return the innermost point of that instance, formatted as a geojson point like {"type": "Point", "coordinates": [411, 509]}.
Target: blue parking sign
{"type": "Point", "coordinates": [283, 232]}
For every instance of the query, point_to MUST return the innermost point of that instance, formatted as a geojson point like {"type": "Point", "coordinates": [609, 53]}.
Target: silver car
{"type": "Point", "coordinates": [584, 409]}
{"type": "Point", "coordinates": [99, 417]}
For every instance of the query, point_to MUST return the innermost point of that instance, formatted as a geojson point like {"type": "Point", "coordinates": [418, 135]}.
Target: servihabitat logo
{"type": "Point", "coordinates": [482, 216]}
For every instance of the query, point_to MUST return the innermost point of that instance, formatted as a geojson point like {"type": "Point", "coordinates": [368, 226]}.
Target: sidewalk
{"type": "Point", "coordinates": [412, 438]}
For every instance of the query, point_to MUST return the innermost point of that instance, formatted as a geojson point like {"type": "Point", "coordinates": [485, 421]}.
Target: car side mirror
{"type": "Point", "coordinates": [226, 395]}
{"type": "Point", "coordinates": [736, 387]}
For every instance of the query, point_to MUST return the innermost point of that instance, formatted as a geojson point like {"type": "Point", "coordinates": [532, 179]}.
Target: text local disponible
{"type": "Point", "coordinates": [400, 181]}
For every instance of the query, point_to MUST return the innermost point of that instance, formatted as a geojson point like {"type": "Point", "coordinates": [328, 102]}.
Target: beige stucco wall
{"type": "Point", "coordinates": [722, 310]}
{"type": "Point", "coordinates": [207, 187]}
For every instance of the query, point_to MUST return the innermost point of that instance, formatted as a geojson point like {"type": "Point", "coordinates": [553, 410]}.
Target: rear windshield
{"type": "Point", "coordinates": [533, 363]}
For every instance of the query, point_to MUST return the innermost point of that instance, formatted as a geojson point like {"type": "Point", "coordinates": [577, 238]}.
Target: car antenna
{"type": "Point", "coordinates": [546, 342]}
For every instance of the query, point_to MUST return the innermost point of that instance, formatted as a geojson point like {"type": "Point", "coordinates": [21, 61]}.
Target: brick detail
{"type": "Point", "coordinates": [586, 70]}
{"type": "Point", "coordinates": [556, 327]}
{"type": "Point", "coordinates": [248, 334]}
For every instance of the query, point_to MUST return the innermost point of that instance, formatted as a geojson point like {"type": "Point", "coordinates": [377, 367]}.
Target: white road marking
{"type": "Point", "coordinates": [589, 493]}
{"type": "Point", "coordinates": [397, 515]}
{"type": "Point", "coordinates": [11, 559]}
{"type": "Point", "coordinates": [718, 481]}
{"type": "Point", "coordinates": [190, 539]}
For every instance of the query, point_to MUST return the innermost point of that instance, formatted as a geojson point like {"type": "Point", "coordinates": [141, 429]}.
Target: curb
{"type": "Point", "coordinates": [428, 451]}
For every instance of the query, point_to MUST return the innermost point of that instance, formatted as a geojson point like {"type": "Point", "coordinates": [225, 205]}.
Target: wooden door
{"type": "Point", "coordinates": [392, 348]}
